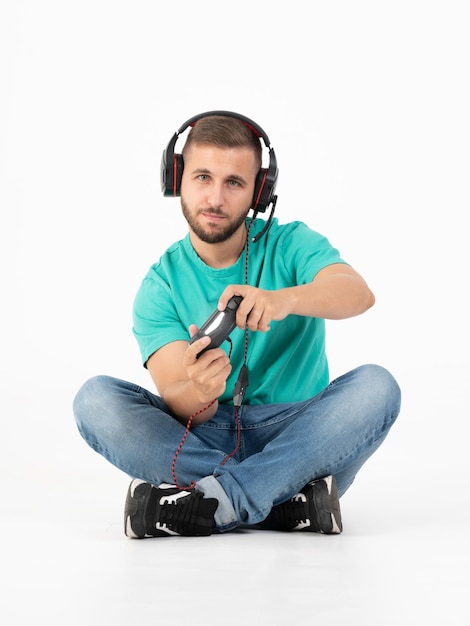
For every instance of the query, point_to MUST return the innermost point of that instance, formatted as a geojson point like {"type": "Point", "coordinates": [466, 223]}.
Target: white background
{"type": "Point", "coordinates": [367, 107]}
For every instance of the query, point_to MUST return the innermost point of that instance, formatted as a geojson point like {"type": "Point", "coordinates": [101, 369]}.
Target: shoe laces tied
{"type": "Point", "coordinates": [181, 514]}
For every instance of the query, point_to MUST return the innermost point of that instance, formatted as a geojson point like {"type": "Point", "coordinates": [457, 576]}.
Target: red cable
{"type": "Point", "coordinates": [237, 418]}
{"type": "Point", "coordinates": [188, 426]}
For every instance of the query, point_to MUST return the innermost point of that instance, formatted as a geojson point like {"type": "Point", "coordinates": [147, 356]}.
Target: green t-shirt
{"type": "Point", "coordinates": [286, 364]}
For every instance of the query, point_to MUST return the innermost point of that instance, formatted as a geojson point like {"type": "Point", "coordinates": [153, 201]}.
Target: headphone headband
{"type": "Point", "coordinates": [172, 164]}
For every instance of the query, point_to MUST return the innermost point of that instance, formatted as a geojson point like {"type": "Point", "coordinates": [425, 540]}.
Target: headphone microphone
{"type": "Point", "coordinates": [172, 166]}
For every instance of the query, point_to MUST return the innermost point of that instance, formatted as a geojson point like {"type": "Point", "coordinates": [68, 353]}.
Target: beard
{"type": "Point", "coordinates": [217, 236]}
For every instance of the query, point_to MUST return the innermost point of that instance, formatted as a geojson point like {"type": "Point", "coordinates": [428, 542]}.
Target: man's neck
{"type": "Point", "coordinates": [223, 254]}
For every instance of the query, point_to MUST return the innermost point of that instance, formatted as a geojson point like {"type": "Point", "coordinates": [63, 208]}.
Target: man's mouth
{"type": "Point", "coordinates": [211, 216]}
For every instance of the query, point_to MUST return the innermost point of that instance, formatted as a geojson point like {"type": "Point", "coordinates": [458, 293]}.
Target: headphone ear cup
{"type": "Point", "coordinates": [178, 166]}
{"type": "Point", "coordinates": [265, 186]}
{"type": "Point", "coordinates": [171, 173]}
{"type": "Point", "coordinates": [166, 175]}
{"type": "Point", "coordinates": [258, 203]}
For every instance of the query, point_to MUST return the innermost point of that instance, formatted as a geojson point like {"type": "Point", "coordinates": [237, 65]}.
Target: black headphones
{"type": "Point", "coordinates": [265, 185]}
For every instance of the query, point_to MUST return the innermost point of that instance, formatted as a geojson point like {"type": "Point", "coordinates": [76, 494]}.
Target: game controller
{"type": "Point", "coordinates": [219, 325]}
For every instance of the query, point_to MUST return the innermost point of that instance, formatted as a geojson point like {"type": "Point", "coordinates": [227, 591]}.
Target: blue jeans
{"type": "Point", "coordinates": [282, 446]}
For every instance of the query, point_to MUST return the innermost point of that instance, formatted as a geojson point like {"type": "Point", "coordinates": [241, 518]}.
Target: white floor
{"type": "Point", "coordinates": [402, 558]}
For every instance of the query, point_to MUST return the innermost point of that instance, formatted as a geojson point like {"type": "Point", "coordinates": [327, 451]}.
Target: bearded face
{"type": "Point", "coordinates": [217, 190]}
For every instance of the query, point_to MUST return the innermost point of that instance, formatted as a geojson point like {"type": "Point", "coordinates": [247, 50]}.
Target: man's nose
{"type": "Point", "coordinates": [215, 196]}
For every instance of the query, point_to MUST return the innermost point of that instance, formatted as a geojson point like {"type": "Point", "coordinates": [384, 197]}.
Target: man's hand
{"type": "Point", "coordinates": [259, 307]}
{"type": "Point", "coordinates": [210, 371]}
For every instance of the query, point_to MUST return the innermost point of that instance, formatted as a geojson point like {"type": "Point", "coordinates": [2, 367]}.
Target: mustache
{"type": "Point", "coordinates": [212, 212]}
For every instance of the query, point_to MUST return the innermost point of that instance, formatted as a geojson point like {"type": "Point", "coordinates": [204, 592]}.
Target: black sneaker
{"type": "Point", "coordinates": [314, 509]}
{"type": "Point", "coordinates": [166, 510]}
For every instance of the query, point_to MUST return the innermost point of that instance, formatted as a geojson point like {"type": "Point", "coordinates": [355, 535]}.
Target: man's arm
{"type": "Point", "coordinates": [187, 384]}
{"type": "Point", "coordinates": [336, 292]}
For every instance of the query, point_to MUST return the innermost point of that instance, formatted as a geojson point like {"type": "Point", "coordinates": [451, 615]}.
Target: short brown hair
{"type": "Point", "coordinates": [223, 132]}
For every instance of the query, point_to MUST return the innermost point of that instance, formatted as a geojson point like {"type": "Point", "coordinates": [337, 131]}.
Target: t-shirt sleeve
{"type": "Point", "coordinates": [155, 319]}
{"type": "Point", "coordinates": [306, 252]}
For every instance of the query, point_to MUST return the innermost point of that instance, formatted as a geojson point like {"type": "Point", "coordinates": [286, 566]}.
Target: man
{"type": "Point", "coordinates": [255, 434]}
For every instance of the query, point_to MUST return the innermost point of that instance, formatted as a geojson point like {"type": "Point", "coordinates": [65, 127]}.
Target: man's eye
{"type": "Point", "coordinates": [202, 177]}
{"type": "Point", "coordinates": [233, 183]}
